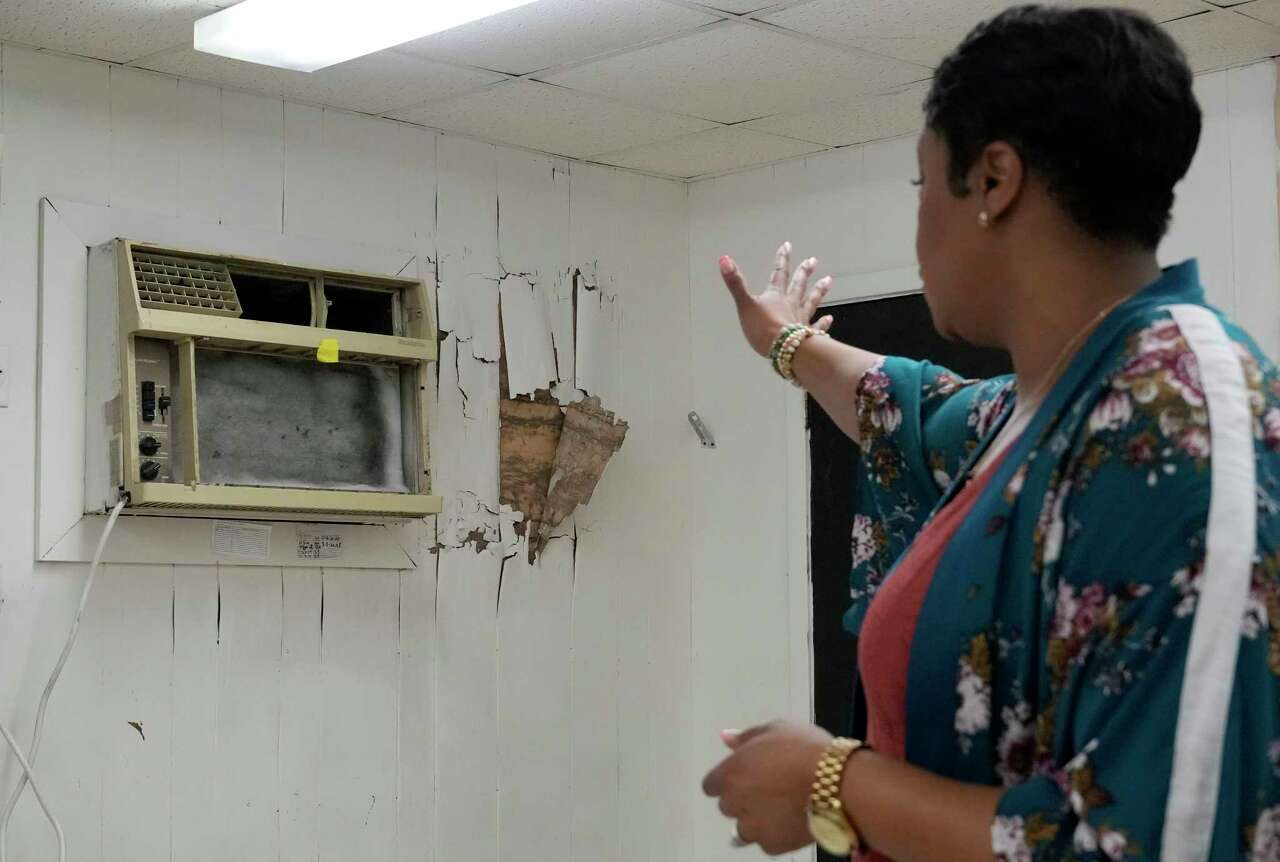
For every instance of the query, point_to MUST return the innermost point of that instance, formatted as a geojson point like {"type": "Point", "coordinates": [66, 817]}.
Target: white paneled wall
{"type": "Point", "coordinates": [475, 708]}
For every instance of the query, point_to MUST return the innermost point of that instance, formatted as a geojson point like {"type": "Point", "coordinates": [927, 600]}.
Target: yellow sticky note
{"type": "Point", "coordinates": [328, 350]}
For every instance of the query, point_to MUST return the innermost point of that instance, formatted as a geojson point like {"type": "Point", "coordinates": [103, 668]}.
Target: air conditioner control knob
{"type": "Point", "coordinates": [148, 445]}
{"type": "Point", "coordinates": [150, 471]}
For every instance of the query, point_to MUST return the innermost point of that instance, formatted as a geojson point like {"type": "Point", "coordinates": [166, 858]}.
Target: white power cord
{"type": "Point", "coordinates": [35, 788]}
{"type": "Point", "coordinates": [27, 776]}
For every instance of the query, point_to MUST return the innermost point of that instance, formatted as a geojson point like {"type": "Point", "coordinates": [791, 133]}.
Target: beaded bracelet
{"type": "Point", "coordinates": [786, 357]}
{"type": "Point", "coordinates": [784, 352]}
{"type": "Point", "coordinates": [776, 350]}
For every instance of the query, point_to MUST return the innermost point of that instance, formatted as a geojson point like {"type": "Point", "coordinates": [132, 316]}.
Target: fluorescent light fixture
{"type": "Point", "coordinates": [306, 35]}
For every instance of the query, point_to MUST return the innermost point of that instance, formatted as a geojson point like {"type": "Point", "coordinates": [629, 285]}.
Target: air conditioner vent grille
{"type": "Point", "coordinates": [184, 284]}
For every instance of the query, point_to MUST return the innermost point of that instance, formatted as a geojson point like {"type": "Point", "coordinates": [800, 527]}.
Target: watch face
{"type": "Point", "coordinates": [832, 837]}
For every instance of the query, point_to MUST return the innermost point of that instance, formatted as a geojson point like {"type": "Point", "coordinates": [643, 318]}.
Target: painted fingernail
{"type": "Point", "coordinates": [726, 264]}
{"type": "Point", "coordinates": [786, 246]}
{"type": "Point", "coordinates": [730, 735]}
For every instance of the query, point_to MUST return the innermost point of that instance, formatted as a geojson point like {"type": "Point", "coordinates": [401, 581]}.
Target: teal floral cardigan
{"type": "Point", "coordinates": [1056, 653]}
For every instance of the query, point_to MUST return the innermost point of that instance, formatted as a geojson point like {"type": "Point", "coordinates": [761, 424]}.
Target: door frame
{"type": "Point", "coordinates": [847, 289]}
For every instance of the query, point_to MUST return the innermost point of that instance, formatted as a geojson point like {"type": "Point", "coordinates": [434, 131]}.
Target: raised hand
{"type": "Point", "coordinates": [785, 301]}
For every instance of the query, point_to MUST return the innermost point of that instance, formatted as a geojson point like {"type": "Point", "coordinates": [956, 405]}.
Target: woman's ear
{"type": "Point", "coordinates": [999, 180]}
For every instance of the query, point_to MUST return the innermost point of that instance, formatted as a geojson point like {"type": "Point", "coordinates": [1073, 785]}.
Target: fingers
{"type": "Point", "coordinates": [734, 281]}
{"type": "Point", "coordinates": [745, 736]}
{"type": "Point", "coordinates": [781, 266]}
{"type": "Point", "coordinates": [825, 323]}
{"type": "Point", "coordinates": [814, 298]}
{"type": "Point", "coordinates": [713, 784]}
{"type": "Point", "coordinates": [800, 280]}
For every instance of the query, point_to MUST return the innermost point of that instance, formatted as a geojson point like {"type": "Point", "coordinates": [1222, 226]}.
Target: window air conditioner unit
{"type": "Point", "coordinates": [206, 393]}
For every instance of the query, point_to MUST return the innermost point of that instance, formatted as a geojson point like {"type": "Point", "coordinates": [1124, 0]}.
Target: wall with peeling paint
{"type": "Point", "coordinates": [476, 708]}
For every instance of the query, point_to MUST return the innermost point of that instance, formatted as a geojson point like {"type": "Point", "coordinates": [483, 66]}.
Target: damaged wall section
{"type": "Point", "coordinates": [552, 460]}
{"type": "Point", "coordinates": [590, 645]}
{"type": "Point", "coordinates": [552, 457]}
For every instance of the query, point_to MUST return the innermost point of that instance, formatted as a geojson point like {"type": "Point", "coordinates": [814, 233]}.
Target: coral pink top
{"type": "Point", "coordinates": [884, 647]}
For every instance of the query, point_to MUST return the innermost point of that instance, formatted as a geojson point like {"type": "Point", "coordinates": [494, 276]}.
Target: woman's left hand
{"type": "Point", "coordinates": [765, 783]}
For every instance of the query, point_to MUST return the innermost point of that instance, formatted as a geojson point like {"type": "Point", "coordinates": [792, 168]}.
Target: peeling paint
{"type": "Point", "coordinates": [477, 537]}
{"type": "Point", "coordinates": [552, 459]}
{"type": "Point", "coordinates": [466, 521]}
{"type": "Point", "coordinates": [590, 437]}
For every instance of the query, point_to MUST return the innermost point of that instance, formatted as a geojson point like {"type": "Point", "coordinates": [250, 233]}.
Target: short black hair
{"type": "Point", "coordinates": [1097, 102]}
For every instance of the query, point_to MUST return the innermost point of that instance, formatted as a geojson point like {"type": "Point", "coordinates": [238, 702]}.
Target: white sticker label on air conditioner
{"type": "Point", "coordinates": [247, 541]}
{"type": "Point", "coordinates": [319, 545]}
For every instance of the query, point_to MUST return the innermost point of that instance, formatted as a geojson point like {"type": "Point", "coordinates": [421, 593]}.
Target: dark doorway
{"type": "Point", "coordinates": [899, 326]}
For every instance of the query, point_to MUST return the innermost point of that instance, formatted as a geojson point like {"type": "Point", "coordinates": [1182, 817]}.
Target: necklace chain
{"type": "Point", "coordinates": [1068, 351]}
{"type": "Point", "coordinates": [1028, 406]}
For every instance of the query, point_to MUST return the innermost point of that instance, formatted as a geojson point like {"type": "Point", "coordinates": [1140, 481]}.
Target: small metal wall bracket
{"type": "Point", "coordinates": [704, 433]}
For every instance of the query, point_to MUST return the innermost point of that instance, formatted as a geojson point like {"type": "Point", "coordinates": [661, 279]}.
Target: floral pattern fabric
{"type": "Point", "coordinates": [1055, 632]}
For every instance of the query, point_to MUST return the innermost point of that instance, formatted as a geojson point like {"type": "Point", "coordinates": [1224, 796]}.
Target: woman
{"type": "Point", "coordinates": [1078, 656]}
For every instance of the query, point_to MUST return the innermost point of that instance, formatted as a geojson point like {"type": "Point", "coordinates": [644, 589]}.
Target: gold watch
{"type": "Point", "coordinates": [828, 823]}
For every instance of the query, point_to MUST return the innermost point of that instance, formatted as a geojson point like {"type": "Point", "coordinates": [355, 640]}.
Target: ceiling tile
{"type": "Point", "coordinates": [372, 84]}
{"type": "Point", "coordinates": [740, 7]}
{"type": "Point", "coordinates": [551, 119]}
{"type": "Point", "coordinates": [115, 30]}
{"type": "Point", "coordinates": [1267, 11]}
{"type": "Point", "coordinates": [924, 31]}
{"type": "Point", "coordinates": [921, 31]}
{"type": "Point", "coordinates": [1161, 10]}
{"type": "Point", "coordinates": [556, 32]}
{"type": "Point", "coordinates": [723, 149]}
{"type": "Point", "coordinates": [1223, 38]}
{"type": "Point", "coordinates": [736, 72]}
{"type": "Point", "coordinates": [843, 123]}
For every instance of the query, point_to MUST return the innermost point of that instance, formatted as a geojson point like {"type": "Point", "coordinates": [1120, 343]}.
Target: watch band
{"type": "Point", "coordinates": [825, 800]}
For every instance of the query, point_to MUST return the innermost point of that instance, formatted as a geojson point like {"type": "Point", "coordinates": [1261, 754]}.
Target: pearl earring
{"type": "Point", "coordinates": [984, 219]}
